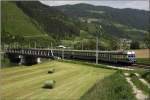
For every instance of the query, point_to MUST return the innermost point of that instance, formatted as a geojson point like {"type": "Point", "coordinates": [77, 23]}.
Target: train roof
{"type": "Point", "coordinates": [114, 51]}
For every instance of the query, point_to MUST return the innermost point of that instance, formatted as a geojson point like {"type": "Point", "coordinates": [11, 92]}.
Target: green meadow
{"type": "Point", "coordinates": [72, 81]}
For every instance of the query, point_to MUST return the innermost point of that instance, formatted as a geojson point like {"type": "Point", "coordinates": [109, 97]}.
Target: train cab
{"type": "Point", "coordinates": [131, 56]}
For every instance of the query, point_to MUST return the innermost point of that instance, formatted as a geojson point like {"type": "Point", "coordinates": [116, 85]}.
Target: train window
{"type": "Point", "coordinates": [131, 55]}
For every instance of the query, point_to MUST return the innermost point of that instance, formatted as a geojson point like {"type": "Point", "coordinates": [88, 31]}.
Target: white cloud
{"type": "Point", "coordinates": [139, 4]}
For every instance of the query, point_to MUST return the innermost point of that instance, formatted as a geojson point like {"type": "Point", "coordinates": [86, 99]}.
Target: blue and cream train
{"type": "Point", "coordinates": [108, 56]}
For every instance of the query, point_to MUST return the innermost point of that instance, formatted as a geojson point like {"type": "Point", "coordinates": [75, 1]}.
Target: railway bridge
{"type": "Point", "coordinates": [27, 56]}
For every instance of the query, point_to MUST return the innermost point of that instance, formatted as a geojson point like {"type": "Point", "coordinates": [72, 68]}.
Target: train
{"type": "Point", "coordinates": [126, 57]}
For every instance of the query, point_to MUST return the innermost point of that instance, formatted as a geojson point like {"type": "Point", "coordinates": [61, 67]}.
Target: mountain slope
{"type": "Point", "coordinates": [18, 27]}
{"type": "Point", "coordinates": [15, 22]}
{"type": "Point", "coordinates": [120, 23]}
{"type": "Point", "coordinates": [54, 22]}
{"type": "Point", "coordinates": [131, 17]}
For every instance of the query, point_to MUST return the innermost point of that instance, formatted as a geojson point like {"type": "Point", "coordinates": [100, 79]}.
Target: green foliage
{"type": "Point", "coordinates": [124, 23]}
{"type": "Point", "coordinates": [147, 40]}
{"type": "Point", "coordinates": [16, 26]}
{"type": "Point", "coordinates": [145, 61]}
{"type": "Point", "coordinates": [114, 45]}
{"type": "Point", "coordinates": [54, 22]}
{"type": "Point", "coordinates": [146, 75]}
{"type": "Point", "coordinates": [139, 84]}
{"type": "Point", "coordinates": [130, 17]}
{"type": "Point", "coordinates": [15, 22]}
{"type": "Point", "coordinates": [5, 62]}
{"type": "Point", "coordinates": [114, 87]}
{"type": "Point", "coordinates": [29, 22]}
{"type": "Point", "coordinates": [134, 45]}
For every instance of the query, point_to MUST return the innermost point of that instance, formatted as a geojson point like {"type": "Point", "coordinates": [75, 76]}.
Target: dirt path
{"type": "Point", "coordinates": [123, 68]}
{"type": "Point", "coordinates": [138, 93]}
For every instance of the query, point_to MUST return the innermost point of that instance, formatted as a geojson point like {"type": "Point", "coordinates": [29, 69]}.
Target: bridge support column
{"type": "Point", "coordinates": [38, 60]}
{"type": "Point", "coordinates": [13, 58]}
{"type": "Point", "coordinates": [22, 60]}
{"type": "Point", "coordinates": [29, 60]}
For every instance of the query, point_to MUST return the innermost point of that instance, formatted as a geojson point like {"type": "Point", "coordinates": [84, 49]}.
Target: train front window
{"type": "Point", "coordinates": [131, 55]}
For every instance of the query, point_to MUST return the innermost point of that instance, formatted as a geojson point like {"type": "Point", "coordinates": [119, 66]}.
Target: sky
{"type": "Point", "coordinates": [135, 4]}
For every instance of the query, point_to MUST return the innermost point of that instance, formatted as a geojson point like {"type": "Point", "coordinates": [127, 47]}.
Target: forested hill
{"type": "Point", "coordinates": [17, 27]}
{"type": "Point", "coordinates": [70, 25]}
{"type": "Point", "coordinates": [132, 17]}
{"type": "Point", "coordinates": [25, 22]}
{"type": "Point", "coordinates": [53, 21]}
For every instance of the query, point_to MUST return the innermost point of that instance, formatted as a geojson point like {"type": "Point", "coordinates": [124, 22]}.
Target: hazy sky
{"type": "Point", "coordinates": [137, 4]}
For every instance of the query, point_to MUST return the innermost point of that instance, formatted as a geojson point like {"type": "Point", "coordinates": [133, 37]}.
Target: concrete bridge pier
{"type": "Point", "coordinates": [38, 60]}
{"type": "Point", "coordinates": [13, 58]}
{"type": "Point", "coordinates": [28, 60]}
{"type": "Point", "coordinates": [24, 59]}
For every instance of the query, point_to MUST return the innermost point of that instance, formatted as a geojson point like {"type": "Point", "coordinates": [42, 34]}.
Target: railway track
{"type": "Point", "coordinates": [139, 66]}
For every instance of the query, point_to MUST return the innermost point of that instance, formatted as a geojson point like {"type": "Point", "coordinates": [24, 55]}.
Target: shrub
{"type": "Point", "coordinates": [146, 76]}
{"type": "Point", "coordinates": [132, 75]}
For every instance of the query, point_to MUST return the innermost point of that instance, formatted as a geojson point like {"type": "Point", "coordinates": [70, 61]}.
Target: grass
{"type": "Point", "coordinates": [146, 75]}
{"type": "Point", "coordinates": [139, 84]}
{"type": "Point", "coordinates": [16, 22]}
{"type": "Point", "coordinates": [72, 81]}
{"type": "Point", "coordinates": [90, 64]}
{"type": "Point", "coordinates": [143, 61]}
{"type": "Point", "coordinates": [113, 87]}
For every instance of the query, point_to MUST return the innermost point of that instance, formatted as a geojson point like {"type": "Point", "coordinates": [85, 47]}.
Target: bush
{"type": "Point", "coordinates": [146, 76]}
{"type": "Point", "coordinates": [49, 84]}
{"type": "Point", "coordinates": [132, 75]}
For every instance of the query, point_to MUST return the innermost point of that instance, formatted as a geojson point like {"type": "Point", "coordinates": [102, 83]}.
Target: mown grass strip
{"type": "Point", "coordinates": [145, 61]}
{"type": "Point", "coordinates": [72, 81]}
{"type": "Point", "coordinates": [88, 64]}
{"type": "Point", "coordinates": [139, 84]}
{"type": "Point", "coordinates": [114, 87]}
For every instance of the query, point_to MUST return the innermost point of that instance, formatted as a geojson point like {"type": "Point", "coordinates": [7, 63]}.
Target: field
{"type": "Point", "coordinates": [142, 53]}
{"type": "Point", "coordinates": [72, 81]}
{"type": "Point", "coordinates": [113, 87]}
{"type": "Point", "coordinates": [143, 61]}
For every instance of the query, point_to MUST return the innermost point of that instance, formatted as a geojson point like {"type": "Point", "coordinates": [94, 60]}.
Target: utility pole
{"type": "Point", "coordinates": [97, 39]}
{"type": "Point", "coordinates": [82, 45]}
{"type": "Point", "coordinates": [35, 44]}
{"type": "Point", "coordinates": [17, 45]}
{"type": "Point", "coordinates": [62, 53]}
{"type": "Point", "coordinates": [51, 45]}
{"type": "Point", "coordinates": [29, 44]}
{"type": "Point", "coordinates": [97, 50]}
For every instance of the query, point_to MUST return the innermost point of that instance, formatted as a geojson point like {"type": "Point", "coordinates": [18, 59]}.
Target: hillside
{"type": "Point", "coordinates": [18, 27]}
{"type": "Point", "coordinates": [53, 26]}
{"type": "Point", "coordinates": [54, 22]}
{"type": "Point", "coordinates": [130, 17]}
{"type": "Point", "coordinates": [73, 26]}
{"type": "Point", "coordinates": [121, 23]}
{"type": "Point", "coordinates": [30, 22]}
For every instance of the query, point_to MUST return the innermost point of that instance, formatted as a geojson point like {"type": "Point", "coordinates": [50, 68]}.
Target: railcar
{"type": "Point", "coordinates": [107, 56]}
